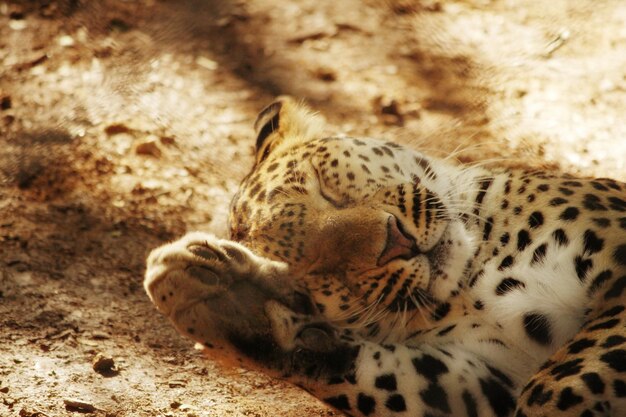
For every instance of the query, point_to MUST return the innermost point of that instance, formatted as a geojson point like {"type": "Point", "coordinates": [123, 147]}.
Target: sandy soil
{"type": "Point", "coordinates": [124, 124]}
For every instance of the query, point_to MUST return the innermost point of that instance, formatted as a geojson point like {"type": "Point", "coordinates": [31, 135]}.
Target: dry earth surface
{"type": "Point", "coordinates": [124, 124]}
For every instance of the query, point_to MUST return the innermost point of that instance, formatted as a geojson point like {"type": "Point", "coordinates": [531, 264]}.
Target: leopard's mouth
{"type": "Point", "coordinates": [440, 263]}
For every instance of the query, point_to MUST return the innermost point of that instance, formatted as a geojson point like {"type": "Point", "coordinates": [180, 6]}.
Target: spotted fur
{"type": "Point", "coordinates": [388, 282]}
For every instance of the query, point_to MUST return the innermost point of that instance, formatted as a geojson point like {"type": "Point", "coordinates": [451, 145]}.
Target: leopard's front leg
{"type": "Point", "coordinates": [219, 293]}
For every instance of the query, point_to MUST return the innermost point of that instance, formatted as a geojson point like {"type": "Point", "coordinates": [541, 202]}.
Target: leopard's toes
{"type": "Point", "coordinates": [185, 271]}
{"type": "Point", "coordinates": [295, 330]}
{"type": "Point", "coordinates": [317, 337]}
{"type": "Point", "coordinates": [209, 253]}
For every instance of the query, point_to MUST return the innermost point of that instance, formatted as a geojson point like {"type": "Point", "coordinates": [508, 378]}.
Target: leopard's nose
{"type": "Point", "coordinates": [399, 243]}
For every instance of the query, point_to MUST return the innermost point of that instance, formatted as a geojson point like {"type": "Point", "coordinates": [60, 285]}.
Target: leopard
{"type": "Point", "coordinates": [389, 282]}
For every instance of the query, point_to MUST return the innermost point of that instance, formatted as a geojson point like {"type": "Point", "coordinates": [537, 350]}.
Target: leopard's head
{"type": "Point", "coordinates": [367, 226]}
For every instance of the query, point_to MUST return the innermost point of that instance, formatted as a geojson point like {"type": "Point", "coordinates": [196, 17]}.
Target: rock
{"type": "Point", "coordinates": [66, 40]}
{"type": "Point", "coordinates": [16, 15]}
{"type": "Point", "coordinates": [17, 24]}
{"type": "Point", "coordinates": [116, 129]}
{"type": "Point", "coordinates": [98, 335]}
{"type": "Point", "coordinates": [177, 384]}
{"type": "Point", "coordinates": [119, 25]}
{"type": "Point", "coordinates": [148, 148]}
{"type": "Point", "coordinates": [8, 120]}
{"type": "Point", "coordinates": [24, 412]}
{"type": "Point", "coordinates": [104, 365]}
{"type": "Point", "coordinates": [325, 74]}
{"type": "Point", "coordinates": [207, 63]}
{"type": "Point", "coordinates": [389, 111]}
{"type": "Point", "coordinates": [167, 140]}
{"type": "Point", "coordinates": [5, 103]}
{"type": "Point", "coordinates": [79, 406]}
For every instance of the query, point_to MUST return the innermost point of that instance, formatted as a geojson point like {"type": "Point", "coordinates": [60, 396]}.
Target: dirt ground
{"type": "Point", "coordinates": [124, 124]}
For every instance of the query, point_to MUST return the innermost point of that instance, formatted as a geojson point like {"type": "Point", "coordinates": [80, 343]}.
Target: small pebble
{"type": "Point", "coordinates": [104, 365]}
{"type": "Point", "coordinates": [148, 148]}
{"type": "Point", "coordinates": [116, 129]}
{"type": "Point", "coordinates": [80, 406]}
{"type": "Point", "coordinates": [176, 384]}
{"type": "Point", "coordinates": [5, 103]}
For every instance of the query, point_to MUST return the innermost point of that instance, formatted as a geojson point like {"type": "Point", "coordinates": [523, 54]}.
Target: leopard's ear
{"type": "Point", "coordinates": [282, 123]}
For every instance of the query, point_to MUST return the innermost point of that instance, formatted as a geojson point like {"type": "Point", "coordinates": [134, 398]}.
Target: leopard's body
{"type": "Point", "coordinates": [388, 282]}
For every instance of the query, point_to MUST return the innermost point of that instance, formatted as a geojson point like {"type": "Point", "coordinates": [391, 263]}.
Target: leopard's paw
{"type": "Point", "coordinates": [192, 280]}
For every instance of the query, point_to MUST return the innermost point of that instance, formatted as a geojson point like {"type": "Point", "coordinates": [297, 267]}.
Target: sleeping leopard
{"type": "Point", "coordinates": [387, 282]}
